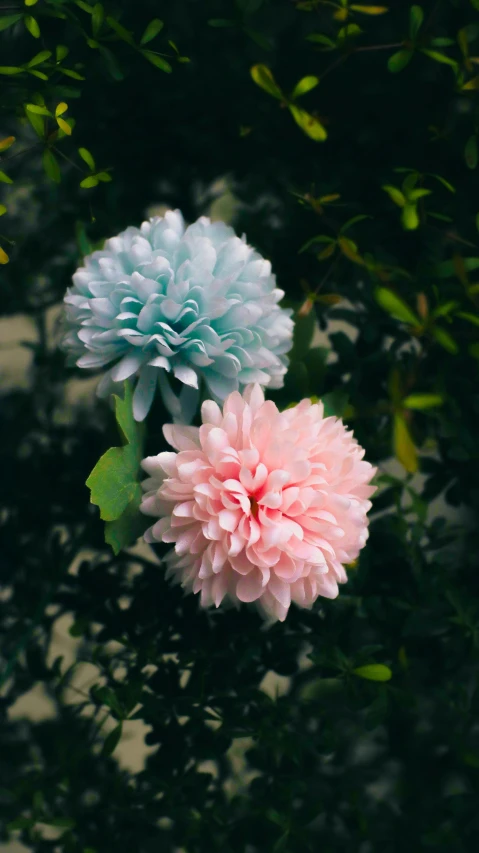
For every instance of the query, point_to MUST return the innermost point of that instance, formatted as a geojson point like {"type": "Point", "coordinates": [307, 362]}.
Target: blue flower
{"type": "Point", "coordinates": [197, 303]}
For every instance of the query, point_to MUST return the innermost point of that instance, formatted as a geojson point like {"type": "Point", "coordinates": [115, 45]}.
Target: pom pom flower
{"type": "Point", "coordinates": [197, 303]}
{"type": "Point", "coordinates": [261, 505]}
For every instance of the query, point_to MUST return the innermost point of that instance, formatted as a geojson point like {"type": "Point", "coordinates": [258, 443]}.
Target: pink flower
{"type": "Point", "coordinates": [261, 505]}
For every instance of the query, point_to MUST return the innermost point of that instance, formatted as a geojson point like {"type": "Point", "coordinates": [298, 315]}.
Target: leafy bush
{"type": "Point", "coordinates": [343, 139]}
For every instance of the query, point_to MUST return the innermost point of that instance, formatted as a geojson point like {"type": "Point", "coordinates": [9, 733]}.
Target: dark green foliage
{"type": "Point", "coordinates": [375, 225]}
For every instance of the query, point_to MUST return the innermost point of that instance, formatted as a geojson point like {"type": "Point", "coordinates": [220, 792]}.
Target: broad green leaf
{"type": "Point", "coordinates": [64, 125]}
{"type": "Point", "coordinates": [370, 10]}
{"type": "Point", "coordinates": [156, 60]}
{"type": "Point", "coordinates": [471, 318]}
{"type": "Point", "coordinates": [470, 152]}
{"type": "Point", "coordinates": [87, 157]}
{"type": "Point", "coordinates": [31, 24]}
{"type": "Point", "coordinates": [423, 401]}
{"type": "Point", "coordinates": [440, 57]}
{"type": "Point", "coordinates": [445, 340]}
{"type": "Point", "coordinates": [113, 483]}
{"type": "Point", "coordinates": [374, 672]}
{"type": "Point", "coordinates": [91, 181]}
{"type": "Point", "coordinates": [7, 21]}
{"type": "Point", "coordinates": [104, 177]}
{"type": "Point", "coordinates": [311, 126]}
{"type": "Point", "coordinates": [39, 58]}
{"type": "Point", "coordinates": [399, 60]}
{"type": "Point", "coordinates": [112, 741]}
{"type": "Point", "coordinates": [395, 306]}
{"type": "Point", "coordinates": [3, 209]}
{"type": "Point", "coordinates": [263, 78]}
{"type": "Point", "coordinates": [37, 122]}
{"type": "Point", "coordinates": [416, 17]}
{"type": "Point", "coordinates": [5, 179]}
{"type": "Point", "coordinates": [6, 143]}
{"type": "Point", "coordinates": [335, 403]}
{"type": "Point", "coordinates": [410, 217]}
{"type": "Point", "coordinates": [154, 27]}
{"type": "Point", "coordinates": [304, 85]}
{"type": "Point", "coordinates": [61, 51]}
{"type": "Point", "coordinates": [403, 445]}
{"type": "Point", "coordinates": [318, 38]}
{"type": "Point", "coordinates": [395, 195]}
{"type": "Point", "coordinates": [50, 164]}
{"type": "Point", "coordinates": [31, 2]}
{"type": "Point", "coordinates": [126, 529]}
{"type": "Point", "coordinates": [415, 195]}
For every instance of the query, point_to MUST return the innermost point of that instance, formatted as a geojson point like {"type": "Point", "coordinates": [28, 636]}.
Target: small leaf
{"type": "Point", "coordinates": [471, 318]}
{"type": "Point", "coordinates": [10, 69]}
{"type": "Point", "coordinates": [319, 38]}
{"type": "Point", "coordinates": [38, 110]}
{"type": "Point", "coordinates": [50, 164]}
{"type": "Point", "coordinates": [74, 75]}
{"type": "Point", "coordinates": [399, 60]}
{"type": "Point", "coordinates": [61, 108]}
{"type": "Point", "coordinates": [423, 401]}
{"type": "Point", "coordinates": [3, 256]}
{"type": "Point", "coordinates": [64, 126]}
{"type": "Point", "coordinates": [32, 26]}
{"type": "Point", "coordinates": [355, 219]}
{"type": "Point", "coordinates": [403, 444]}
{"type": "Point", "coordinates": [3, 209]}
{"type": "Point", "coordinates": [37, 122]}
{"type": "Point", "coordinates": [154, 27]}
{"type": "Point", "coordinates": [104, 177]}
{"type": "Point", "coordinates": [471, 85]}
{"type": "Point", "coordinates": [416, 17]}
{"type": "Point", "coordinates": [39, 58]}
{"type": "Point", "coordinates": [30, 2]}
{"type": "Point", "coordinates": [7, 21]}
{"type": "Point", "coordinates": [97, 18]}
{"type": "Point", "coordinates": [61, 51]}
{"type": "Point", "coordinates": [415, 195]}
{"type": "Point", "coordinates": [156, 60]}
{"type": "Point", "coordinates": [112, 741]}
{"type": "Point", "coordinates": [395, 306]}
{"type": "Point", "coordinates": [87, 183]}
{"type": "Point", "coordinates": [348, 248]}
{"type": "Point", "coordinates": [440, 57]}
{"type": "Point", "coordinates": [410, 217]}
{"type": "Point", "coordinates": [5, 179]}
{"type": "Point", "coordinates": [311, 126]}
{"type": "Point", "coordinates": [445, 340]}
{"type": "Point", "coordinates": [445, 183]}
{"type": "Point", "coordinates": [374, 672]}
{"type": "Point", "coordinates": [87, 157]}
{"type": "Point", "coordinates": [124, 34]}
{"type": "Point", "coordinates": [395, 195]}
{"type": "Point", "coordinates": [263, 77]}
{"type": "Point", "coordinates": [370, 10]}
{"type": "Point", "coordinates": [304, 85]}
{"type": "Point", "coordinates": [470, 152]}
{"type": "Point", "coordinates": [6, 143]}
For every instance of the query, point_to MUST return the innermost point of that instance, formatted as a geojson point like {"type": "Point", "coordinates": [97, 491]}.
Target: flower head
{"type": "Point", "coordinates": [197, 303]}
{"type": "Point", "coordinates": [261, 505]}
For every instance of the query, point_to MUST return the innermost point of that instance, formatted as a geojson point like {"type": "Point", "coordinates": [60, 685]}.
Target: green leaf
{"type": "Point", "coordinates": [38, 110]}
{"type": "Point", "coordinates": [440, 57]}
{"type": "Point", "coordinates": [128, 528]}
{"type": "Point", "coordinates": [470, 152]}
{"type": "Point", "coordinates": [6, 143]}
{"type": "Point", "coordinates": [310, 125]}
{"type": "Point", "coordinates": [88, 183]}
{"type": "Point", "coordinates": [85, 6]}
{"type": "Point", "coordinates": [105, 177]}
{"type": "Point", "coordinates": [112, 741]}
{"type": "Point", "coordinates": [399, 60]}
{"type": "Point", "coordinates": [335, 403]}
{"type": "Point", "coordinates": [263, 77]}
{"type": "Point", "coordinates": [370, 10]}
{"type": "Point", "coordinates": [74, 75]}
{"type": "Point", "coordinates": [5, 179]}
{"type": "Point", "coordinates": [445, 183]}
{"type": "Point", "coordinates": [395, 306]}
{"type": "Point", "coordinates": [7, 21]}
{"type": "Point", "coordinates": [410, 217]}
{"type": "Point", "coordinates": [318, 38]}
{"type": "Point", "coordinates": [64, 125]}
{"type": "Point", "coordinates": [50, 164]}
{"type": "Point", "coordinates": [304, 85]}
{"type": "Point", "coordinates": [423, 401]}
{"type": "Point", "coordinates": [415, 195]}
{"type": "Point", "coordinates": [97, 18]}
{"type": "Point", "coordinates": [446, 269]}
{"type": "Point", "coordinates": [403, 445]}
{"type": "Point", "coordinates": [39, 58]}
{"type": "Point", "coordinates": [107, 697]}
{"type": "Point", "coordinates": [156, 60]}
{"type": "Point", "coordinates": [154, 27]}
{"type": "Point", "coordinates": [471, 318]}
{"type": "Point", "coordinates": [10, 69]}
{"type": "Point", "coordinates": [353, 221]}
{"type": "Point", "coordinates": [113, 483]}
{"type": "Point", "coordinates": [87, 157]}
{"type": "Point", "coordinates": [349, 249]}
{"type": "Point", "coordinates": [61, 51]}
{"type": "Point", "coordinates": [31, 24]}
{"type": "Point", "coordinates": [3, 209]}
{"type": "Point", "coordinates": [221, 22]}
{"type": "Point", "coordinates": [60, 822]}
{"type": "Point", "coordinates": [21, 823]}
{"type": "Point", "coordinates": [3, 256]}
{"type": "Point", "coordinates": [124, 34]}
{"type": "Point", "coordinates": [445, 340]}
{"type": "Point", "coordinates": [416, 17]}
{"type": "Point", "coordinates": [395, 195]}
{"type": "Point", "coordinates": [303, 331]}
{"type": "Point", "coordinates": [374, 671]}
{"type": "Point", "coordinates": [37, 122]}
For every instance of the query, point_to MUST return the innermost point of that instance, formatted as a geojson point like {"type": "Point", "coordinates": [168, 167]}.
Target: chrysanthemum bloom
{"type": "Point", "coordinates": [261, 505]}
{"type": "Point", "coordinates": [198, 303]}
